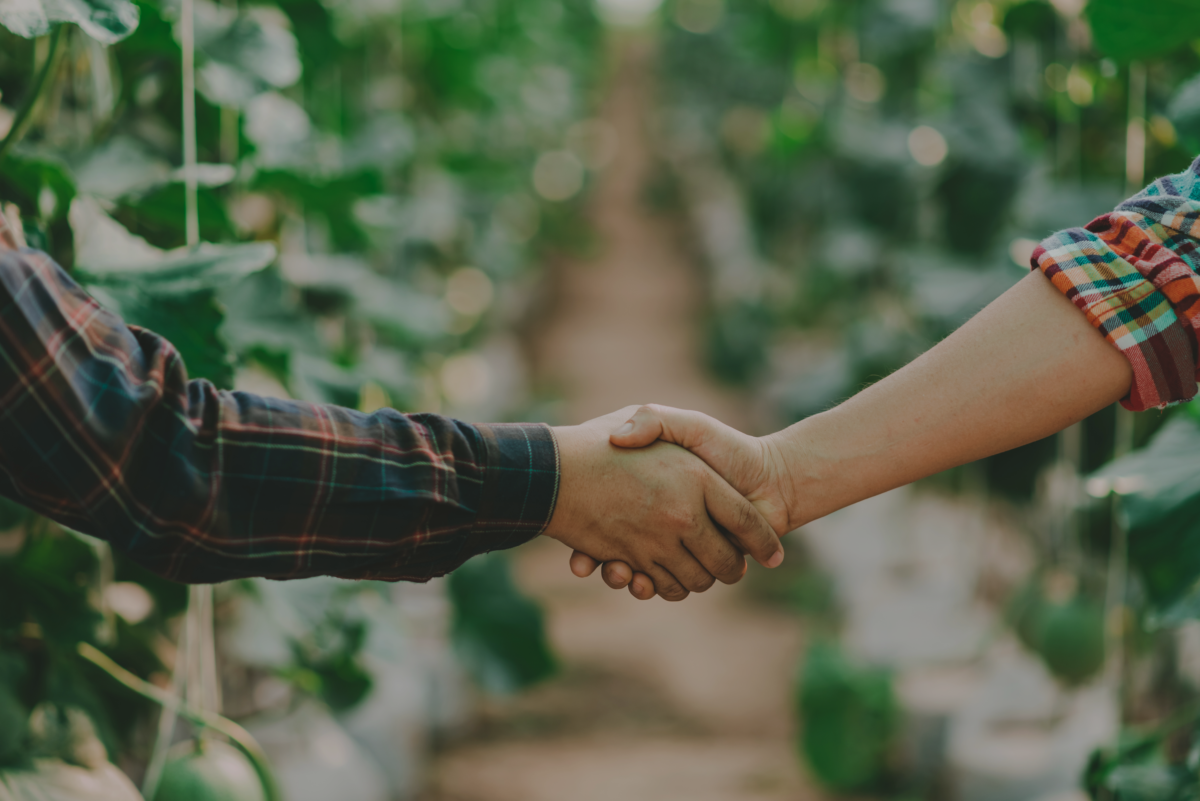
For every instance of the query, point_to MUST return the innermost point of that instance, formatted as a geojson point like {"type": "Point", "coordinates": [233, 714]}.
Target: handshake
{"type": "Point", "coordinates": [670, 501]}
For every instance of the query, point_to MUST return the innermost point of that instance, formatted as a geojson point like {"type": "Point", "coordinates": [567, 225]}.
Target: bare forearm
{"type": "Point", "coordinates": [1028, 365]}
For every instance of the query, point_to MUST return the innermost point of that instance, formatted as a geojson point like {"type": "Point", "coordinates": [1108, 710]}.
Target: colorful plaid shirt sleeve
{"type": "Point", "coordinates": [101, 430]}
{"type": "Point", "coordinates": [1135, 273]}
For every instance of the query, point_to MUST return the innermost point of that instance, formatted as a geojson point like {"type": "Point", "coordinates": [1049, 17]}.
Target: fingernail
{"type": "Point", "coordinates": [776, 560]}
{"type": "Point", "coordinates": [624, 429]}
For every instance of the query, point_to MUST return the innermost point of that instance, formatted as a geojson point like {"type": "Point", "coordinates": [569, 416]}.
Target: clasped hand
{"type": "Point", "coordinates": [669, 501]}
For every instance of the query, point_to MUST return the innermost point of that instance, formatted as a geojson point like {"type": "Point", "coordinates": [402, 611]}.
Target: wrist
{"type": "Point", "coordinates": [805, 470]}
{"type": "Point", "coordinates": [563, 518]}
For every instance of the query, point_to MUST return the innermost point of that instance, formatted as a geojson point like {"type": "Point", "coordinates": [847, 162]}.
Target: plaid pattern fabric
{"type": "Point", "coordinates": [101, 430]}
{"type": "Point", "coordinates": [1135, 273]}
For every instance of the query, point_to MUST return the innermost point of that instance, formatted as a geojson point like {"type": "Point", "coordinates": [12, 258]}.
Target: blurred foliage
{"type": "Point", "coordinates": [897, 161]}
{"type": "Point", "coordinates": [369, 191]}
{"type": "Point", "coordinates": [1138, 768]}
{"type": "Point", "coordinates": [849, 715]}
{"type": "Point", "coordinates": [1159, 491]}
{"type": "Point", "coordinates": [209, 770]}
{"type": "Point", "coordinates": [1061, 624]}
{"type": "Point", "coordinates": [499, 632]}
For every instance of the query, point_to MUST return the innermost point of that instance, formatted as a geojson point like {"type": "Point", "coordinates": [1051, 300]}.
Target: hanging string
{"type": "Point", "coordinates": [200, 653]}
{"type": "Point", "coordinates": [166, 726]}
{"type": "Point", "coordinates": [187, 43]}
{"type": "Point", "coordinates": [195, 671]}
{"type": "Point", "coordinates": [1116, 616]}
{"type": "Point", "coordinates": [229, 116]}
{"type": "Point", "coordinates": [1135, 129]}
{"type": "Point", "coordinates": [208, 688]}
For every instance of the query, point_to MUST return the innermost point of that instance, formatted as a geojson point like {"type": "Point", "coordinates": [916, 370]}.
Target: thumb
{"type": "Point", "coordinates": [644, 428]}
{"type": "Point", "coordinates": [687, 429]}
{"type": "Point", "coordinates": [725, 449]}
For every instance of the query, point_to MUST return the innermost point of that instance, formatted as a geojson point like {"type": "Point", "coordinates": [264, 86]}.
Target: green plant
{"type": "Point", "coordinates": [499, 632]}
{"type": "Point", "coordinates": [352, 163]}
{"type": "Point", "coordinates": [849, 719]}
{"type": "Point", "coordinates": [209, 770]}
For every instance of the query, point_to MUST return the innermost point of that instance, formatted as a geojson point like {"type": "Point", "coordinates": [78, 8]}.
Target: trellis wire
{"type": "Point", "coordinates": [187, 43]}
{"type": "Point", "coordinates": [195, 671]}
{"type": "Point", "coordinates": [1135, 129]}
{"type": "Point", "coordinates": [1115, 616]}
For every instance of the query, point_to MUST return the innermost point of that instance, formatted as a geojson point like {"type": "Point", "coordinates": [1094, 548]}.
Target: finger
{"type": "Point", "coordinates": [748, 529]}
{"type": "Point", "coordinates": [665, 584]}
{"type": "Point", "coordinates": [720, 557]}
{"type": "Point", "coordinates": [583, 565]}
{"type": "Point", "coordinates": [641, 587]}
{"type": "Point", "coordinates": [687, 570]}
{"type": "Point", "coordinates": [617, 575]}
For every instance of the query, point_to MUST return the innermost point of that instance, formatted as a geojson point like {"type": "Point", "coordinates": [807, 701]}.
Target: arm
{"type": "Point", "coordinates": [1025, 367]}
{"type": "Point", "coordinates": [101, 430]}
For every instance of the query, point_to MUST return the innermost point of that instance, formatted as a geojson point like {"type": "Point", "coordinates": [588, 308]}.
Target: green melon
{"type": "Point", "coordinates": [1070, 639]}
{"type": "Point", "coordinates": [211, 770]}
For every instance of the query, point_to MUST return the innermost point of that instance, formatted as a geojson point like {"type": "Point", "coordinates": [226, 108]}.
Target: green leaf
{"type": "Point", "coordinates": [173, 294]}
{"type": "Point", "coordinates": [106, 21]}
{"type": "Point", "coordinates": [125, 166]}
{"type": "Point", "coordinates": [329, 662]}
{"type": "Point", "coordinates": [1133, 749]}
{"type": "Point", "coordinates": [849, 717]}
{"type": "Point", "coordinates": [1128, 31]}
{"type": "Point", "coordinates": [191, 322]}
{"type": "Point", "coordinates": [14, 725]}
{"type": "Point", "coordinates": [499, 632]}
{"type": "Point", "coordinates": [1184, 113]}
{"type": "Point", "coordinates": [181, 272]}
{"type": "Point", "coordinates": [242, 54]}
{"type": "Point", "coordinates": [1151, 783]}
{"type": "Point", "coordinates": [158, 214]}
{"type": "Point", "coordinates": [1033, 18]}
{"type": "Point", "coordinates": [12, 514]}
{"type": "Point", "coordinates": [313, 27]}
{"type": "Point", "coordinates": [402, 311]}
{"type": "Point", "coordinates": [23, 177]}
{"type": "Point", "coordinates": [48, 580]}
{"type": "Point", "coordinates": [1159, 489]}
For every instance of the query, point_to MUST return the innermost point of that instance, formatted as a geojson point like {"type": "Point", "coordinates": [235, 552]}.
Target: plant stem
{"type": "Point", "coordinates": [35, 93]}
{"type": "Point", "coordinates": [236, 734]}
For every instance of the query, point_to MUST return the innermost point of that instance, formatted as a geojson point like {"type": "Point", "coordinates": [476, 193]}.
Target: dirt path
{"type": "Point", "coordinates": [657, 701]}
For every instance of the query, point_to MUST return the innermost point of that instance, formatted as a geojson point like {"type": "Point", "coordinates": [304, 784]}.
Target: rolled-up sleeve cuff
{"type": "Point", "coordinates": [520, 485]}
{"type": "Point", "coordinates": [1131, 288]}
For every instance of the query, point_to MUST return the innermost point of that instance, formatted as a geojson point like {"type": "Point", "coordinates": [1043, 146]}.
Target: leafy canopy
{"type": "Point", "coordinates": [106, 21]}
{"type": "Point", "coordinates": [1128, 31]}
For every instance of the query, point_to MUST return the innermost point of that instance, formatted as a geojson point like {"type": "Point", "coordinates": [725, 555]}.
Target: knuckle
{"type": "Point", "coordinates": [679, 519]}
{"type": "Point", "coordinates": [704, 584]}
{"type": "Point", "coordinates": [748, 520]}
{"type": "Point", "coordinates": [730, 567]}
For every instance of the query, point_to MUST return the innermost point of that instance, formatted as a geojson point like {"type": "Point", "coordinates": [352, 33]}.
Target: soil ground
{"type": "Point", "coordinates": [656, 701]}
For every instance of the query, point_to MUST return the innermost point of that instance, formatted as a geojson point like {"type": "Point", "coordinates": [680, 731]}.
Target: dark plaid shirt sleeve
{"type": "Point", "coordinates": [101, 430]}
